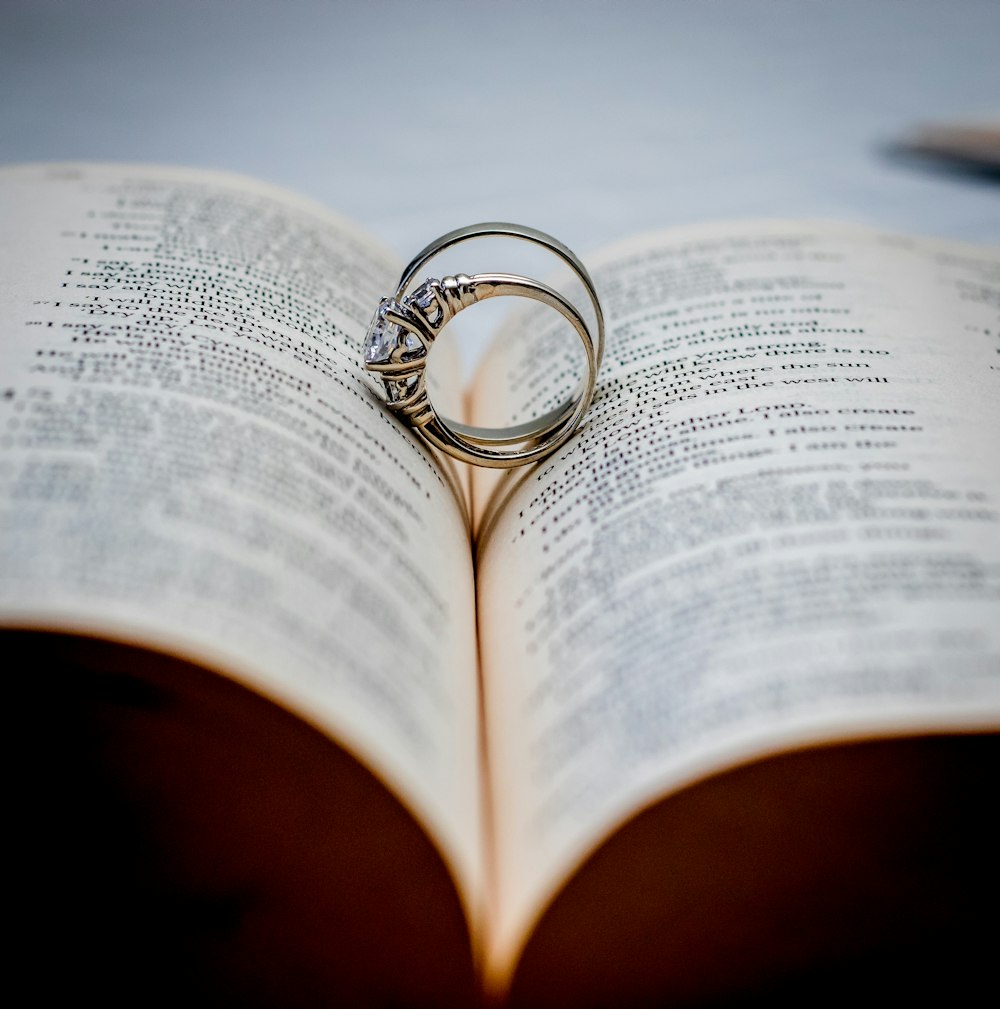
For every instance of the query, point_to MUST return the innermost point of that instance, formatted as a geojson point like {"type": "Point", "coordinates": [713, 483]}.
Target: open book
{"type": "Point", "coordinates": [704, 706]}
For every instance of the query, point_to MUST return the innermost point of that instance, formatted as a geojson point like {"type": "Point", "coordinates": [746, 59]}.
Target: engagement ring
{"type": "Point", "coordinates": [406, 324]}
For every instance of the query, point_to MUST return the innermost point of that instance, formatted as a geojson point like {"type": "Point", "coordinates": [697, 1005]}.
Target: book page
{"type": "Point", "coordinates": [194, 460]}
{"type": "Point", "coordinates": [780, 525]}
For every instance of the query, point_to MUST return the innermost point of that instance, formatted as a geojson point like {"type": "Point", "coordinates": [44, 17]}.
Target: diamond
{"type": "Point", "coordinates": [384, 337]}
{"type": "Point", "coordinates": [425, 299]}
{"type": "Point", "coordinates": [401, 389]}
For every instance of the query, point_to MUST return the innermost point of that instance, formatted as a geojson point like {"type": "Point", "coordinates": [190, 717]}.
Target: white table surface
{"type": "Point", "coordinates": [589, 119]}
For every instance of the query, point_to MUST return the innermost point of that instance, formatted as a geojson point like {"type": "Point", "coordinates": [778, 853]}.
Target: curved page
{"type": "Point", "coordinates": [778, 527]}
{"type": "Point", "coordinates": [195, 461]}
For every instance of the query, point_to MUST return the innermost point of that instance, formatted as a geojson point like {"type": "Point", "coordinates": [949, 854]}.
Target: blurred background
{"type": "Point", "coordinates": [590, 119]}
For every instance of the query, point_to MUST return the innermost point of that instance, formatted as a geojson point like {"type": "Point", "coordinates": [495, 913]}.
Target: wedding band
{"type": "Point", "coordinates": [405, 325]}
